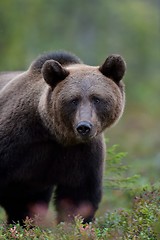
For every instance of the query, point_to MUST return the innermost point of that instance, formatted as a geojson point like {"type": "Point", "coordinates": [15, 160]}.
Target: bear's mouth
{"type": "Point", "coordinates": [84, 139]}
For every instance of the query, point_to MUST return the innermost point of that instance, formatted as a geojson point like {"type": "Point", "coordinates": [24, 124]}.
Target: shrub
{"type": "Point", "coordinates": [140, 221]}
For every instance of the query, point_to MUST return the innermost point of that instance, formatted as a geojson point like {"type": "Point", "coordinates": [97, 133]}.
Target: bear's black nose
{"type": "Point", "coordinates": [84, 128]}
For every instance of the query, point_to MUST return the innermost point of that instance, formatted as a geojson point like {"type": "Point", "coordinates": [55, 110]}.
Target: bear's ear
{"type": "Point", "coordinates": [53, 72]}
{"type": "Point", "coordinates": [114, 67]}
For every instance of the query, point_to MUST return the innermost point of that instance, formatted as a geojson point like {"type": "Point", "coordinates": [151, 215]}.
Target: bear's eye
{"type": "Point", "coordinates": [75, 101]}
{"type": "Point", "coordinates": [96, 100]}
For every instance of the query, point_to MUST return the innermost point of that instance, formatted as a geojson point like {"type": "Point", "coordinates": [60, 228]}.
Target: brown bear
{"type": "Point", "coordinates": [52, 119]}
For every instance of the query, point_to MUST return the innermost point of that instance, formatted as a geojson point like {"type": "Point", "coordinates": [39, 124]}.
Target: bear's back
{"type": "Point", "coordinates": [6, 77]}
{"type": "Point", "coordinates": [64, 58]}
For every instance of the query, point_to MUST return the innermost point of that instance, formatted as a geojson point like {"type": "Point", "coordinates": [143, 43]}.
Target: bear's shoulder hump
{"type": "Point", "coordinates": [63, 57]}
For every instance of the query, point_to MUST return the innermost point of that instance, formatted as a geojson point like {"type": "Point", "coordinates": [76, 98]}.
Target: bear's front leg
{"type": "Point", "coordinates": [79, 193]}
{"type": "Point", "coordinates": [81, 201]}
{"type": "Point", "coordinates": [19, 212]}
{"type": "Point", "coordinates": [21, 205]}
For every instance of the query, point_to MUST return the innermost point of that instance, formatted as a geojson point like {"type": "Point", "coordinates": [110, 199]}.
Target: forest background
{"type": "Point", "coordinates": [92, 30]}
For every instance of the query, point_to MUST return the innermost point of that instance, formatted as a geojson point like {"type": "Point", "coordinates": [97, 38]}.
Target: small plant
{"type": "Point", "coordinates": [116, 172]}
{"type": "Point", "coordinates": [142, 221]}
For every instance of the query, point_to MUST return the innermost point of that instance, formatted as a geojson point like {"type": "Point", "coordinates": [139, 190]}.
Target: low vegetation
{"type": "Point", "coordinates": [138, 220]}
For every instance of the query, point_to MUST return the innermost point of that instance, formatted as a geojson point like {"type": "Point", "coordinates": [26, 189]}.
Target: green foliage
{"type": "Point", "coordinates": [141, 222]}
{"type": "Point", "coordinates": [116, 171]}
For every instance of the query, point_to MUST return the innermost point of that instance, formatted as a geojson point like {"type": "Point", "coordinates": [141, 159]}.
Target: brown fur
{"type": "Point", "coordinates": [51, 133]}
{"type": "Point", "coordinates": [90, 82]}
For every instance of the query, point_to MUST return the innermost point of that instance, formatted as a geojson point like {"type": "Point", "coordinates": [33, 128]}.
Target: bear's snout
{"type": "Point", "coordinates": [84, 128]}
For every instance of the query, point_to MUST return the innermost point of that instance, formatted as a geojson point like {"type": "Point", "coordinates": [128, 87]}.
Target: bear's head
{"type": "Point", "coordinates": [82, 101]}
